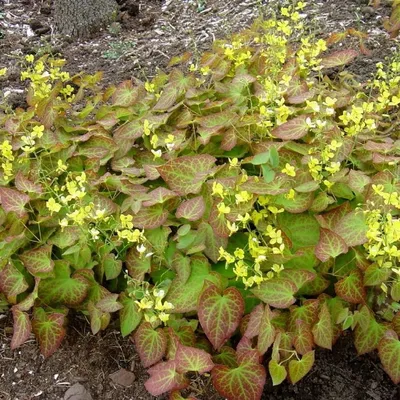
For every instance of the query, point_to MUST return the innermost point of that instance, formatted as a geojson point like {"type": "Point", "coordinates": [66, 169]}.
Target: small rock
{"type": "Point", "coordinates": [77, 392]}
{"type": "Point", "coordinates": [123, 377]}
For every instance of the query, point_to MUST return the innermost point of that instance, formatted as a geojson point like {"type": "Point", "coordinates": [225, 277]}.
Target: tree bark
{"type": "Point", "coordinates": [80, 18]}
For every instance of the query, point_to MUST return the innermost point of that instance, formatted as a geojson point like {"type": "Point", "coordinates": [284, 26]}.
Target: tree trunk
{"type": "Point", "coordinates": [79, 18]}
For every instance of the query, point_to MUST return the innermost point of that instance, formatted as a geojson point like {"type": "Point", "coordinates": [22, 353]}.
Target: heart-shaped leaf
{"type": "Point", "coordinates": [220, 313]}
{"type": "Point", "coordinates": [22, 327]}
{"type": "Point", "coordinates": [322, 330]}
{"type": "Point", "coordinates": [389, 354]}
{"type": "Point", "coordinates": [299, 369]}
{"type": "Point", "coordinates": [276, 292]}
{"type": "Point", "coordinates": [193, 360]}
{"type": "Point", "coordinates": [278, 372]}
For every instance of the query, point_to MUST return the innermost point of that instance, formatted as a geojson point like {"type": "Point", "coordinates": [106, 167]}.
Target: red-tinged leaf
{"type": "Point", "coordinates": [63, 288]}
{"type": "Point", "coordinates": [218, 120]}
{"type": "Point", "coordinates": [256, 316]}
{"type": "Point", "coordinates": [315, 287]}
{"type": "Point", "coordinates": [245, 382]}
{"type": "Point", "coordinates": [150, 344]}
{"type": "Point", "coordinates": [278, 372]}
{"type": "Point", "coordinates": [186, 174]}
{"type": "Point", "coordinates": [329, 219]}
{"type": "Point", "coordinates": [276, 292]}
{"type": "Point", "coordinates": [12, 281]}
{"type": "Point", "coordinates": [49, 330]}
{"type": "Point", "coordinates": [150, 217]}
{"type": "Point", "coordinates": [358, 181]}
{"type": "Point", "coordinates": [352, 228]}
{"type": "Point", "coordinates": [229, 140]}
{"type": "Point", "coordinates": [303, 340]}
{"type": "Point", "coordinates": [126, 95]}
{"type": "Point", "coordinates": [330, 245]}
{"type": "Point", "coordinates": [129, 315]}
{"type": "Point", "coordinates": [186, 335]}
{"type": "Point", "coordinates": [267, 332]}
{"type": "Point", "coordinates": [389, 354]}
{"type": "Point", "coordinates": [367, 338]}
{"type": "Point", "coordinates": [299, 369]}
{"type": "Point", "coordinates": [192, 209]}
{"type": "Point", "coordinates": [38, 261]}
{"type": "Point", "coordinates": [167, 99]}
{"type": "Point", "coordinates": [129, 131]}
{"type": "Point", "coordinates": [226, 356]}
{"type": "Point", "coordinates": [193, 360]}
{"type": "Point", "coordinates": [218, 222]}
{"type": "Point", "coordinates": [165, 378]}
{"type": "Point", "coordinates": [13, 200]}
{"type": "Point", "coordinates": [322, 330]}
{"type": "Point", "coordinates": [339, 58]}
{"type": "Point", "coordinates": [22, 327]}
{"type": "Point", "coordinates": [245, 351]}
{"type": "Point", "coordinates": [298, 276]}
{"type": "Point", "coordinates": [137, 266]}
{"type": "Point", "coordinates": [396, 323]}
{"type": "Point", "coordinates": [308, 313]}
{"type": "Point", "coordinates": [158, 196]}
{"type": "Point", "coordinates": [65, 238]}
{"type": "Point", "coordinates": [351, 288]}
{"type": "Point", "coordinates": [293, 129]}
{"type": "Point", "coordinates": [109, 303]}
{"type": "Point", "coordinates": [23, 184]}
{"type": "Point", "coordinates": [220, 313]}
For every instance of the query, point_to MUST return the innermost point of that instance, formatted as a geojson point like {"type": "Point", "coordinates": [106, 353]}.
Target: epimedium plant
{"type": "Point", "coordinates": [234, 217]}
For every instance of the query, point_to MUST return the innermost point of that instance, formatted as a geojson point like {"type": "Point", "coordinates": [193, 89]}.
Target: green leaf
{"type": "Point", "coordinates": [389, 354]}
{"type": "Point", "coordinates": [293, 129]}
{"type": "Point", "coordinates": [186, 174]}
{"type": "Point", "coordinates": [150, 343]}
{"type": "Point", "coordinates": [220, 313]}
{"type": "Point", "coordinates": [367, 338]}
{"type": "Point", "coordinates": [13, 200]}
{"type": "Point", "coordinates": [193, 360]}
{"type": "Point", "coordinates": [330, 245]}
{"type": "Point", "coordinates": [165, 378]}
{"type": "Point", "coordinates": [22, 327]}
{"type": "Point", "coordinates": [322, 330]}
{"type": "Point", "coordinates": [63, 288]}
{"type": "Point", "coordinates": [278, 372]}
{"type": "Point", "coordinates": [129, 315]}
{"type": "Point", "coordinates": [181, 264]}
{"type": "Point", "coordinates": [276, 292]}
{"type": "Point", "coordinates": [112, 267]}
{"type": "Point", "coordinates": [12, 281]}
{"type": "Point", "coordinates": [307, 312]}
{"type": "Point", "coordinates": [267, 332]}
{"type": "Point", "coordinates": [49, 330]}
{"type": "Point", "coordinates": [268, 173]}
{"type": "Point", "coordinates": [184, 295]}
{"type": "Point", "coordinates": [351, 288]}
{"type": "Point", "coordinates": [295, 226]}
{"type": "Point", "coordinates": [339, 58]}
{"type": "Point", "coordinates": [352, 228]}
{"type": "Point", "coordinates": [192, 209]}
{"type": "Point", "coordinates": [375, 275]}
{"type": "Point", "coordinates": [66, 237]}
{"type": "Point", "coordinates": [226, 356]}
{"type": "Point", "coordinates": [245, 382]}
{"type": "Point", "coordinates": [261, 158]}
{"type": "Point", "coordinates": [299, 369]}
{"type": "Point", "coordinates": [298, 276]}
{"type": "Point", "coordinates": [395, 291]}
{"type": "Point", "coordinates": [274, 155]}
{"type": "Point", "coordinates": [38, 261]}
{"type": "Point", "coordinates": [213, 242]}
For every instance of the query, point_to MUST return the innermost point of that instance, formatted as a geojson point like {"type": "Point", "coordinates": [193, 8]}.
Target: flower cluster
{"type": "Point", "coordinates": [6, 159]}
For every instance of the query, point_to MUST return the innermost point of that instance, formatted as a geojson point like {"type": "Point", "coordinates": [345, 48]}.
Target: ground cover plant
{"type": "Point", "coordinates": [234, 217]}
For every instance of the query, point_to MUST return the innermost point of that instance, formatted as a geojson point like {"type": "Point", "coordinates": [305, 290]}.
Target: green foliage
{"type": "Point", "coordinates": [248, 204]}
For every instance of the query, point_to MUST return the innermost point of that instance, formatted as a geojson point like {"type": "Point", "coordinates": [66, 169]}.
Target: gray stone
{"type": "Point", "coordinates": [77, 392]}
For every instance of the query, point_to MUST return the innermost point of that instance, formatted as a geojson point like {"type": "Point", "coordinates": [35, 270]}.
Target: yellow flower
{"type": "Point", "coordinates": [223, 208]}
{"type": "Point", "coordinates": [164, 317]}
{"type": "Point", "coordinates": [61, 167]}
{"type": "Point", "coordinates": [3, 71]}
{"type": "Point", "coordinates": [150, 87]}
{"type": "Point", "coordinates": [289, 170]}
{"type": "Point", "coordinates": [30, 58]}
{"type": "Point", "coordinates": [217, 189]}
{"type": "Point", "coordinates": [63, 223]}
{"type": "Point", "coordinates": [239, 253]}
{"type": "Point", "coordinates": [126, 221]}
{"type": "Point", "coordinates": [53, 206]}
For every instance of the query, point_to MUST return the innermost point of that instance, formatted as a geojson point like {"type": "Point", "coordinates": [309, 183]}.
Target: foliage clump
{"type": "Point", "coordinates": [235, 217]}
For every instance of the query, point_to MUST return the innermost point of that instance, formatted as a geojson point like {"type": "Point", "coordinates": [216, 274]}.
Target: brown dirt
{"type": "Point", "coordinates": [138, 47]}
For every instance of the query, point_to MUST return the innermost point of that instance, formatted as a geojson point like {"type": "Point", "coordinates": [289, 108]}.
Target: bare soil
{"type": "Point", "coordinates": [138, 45]}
